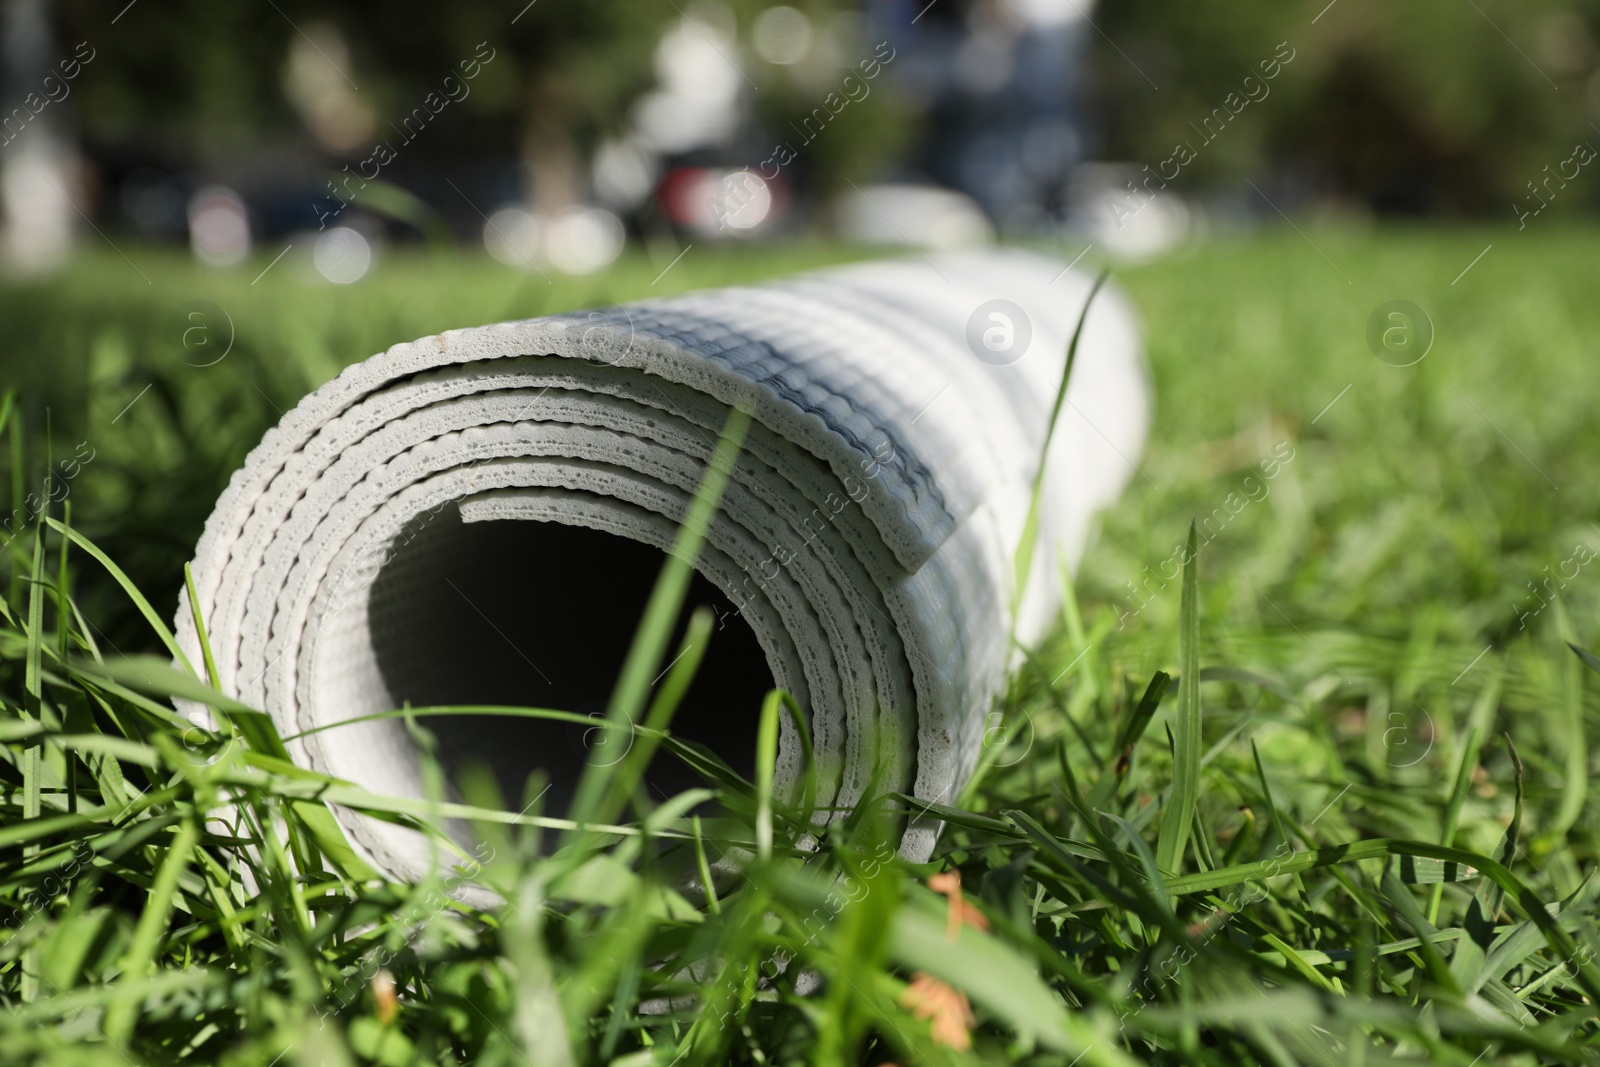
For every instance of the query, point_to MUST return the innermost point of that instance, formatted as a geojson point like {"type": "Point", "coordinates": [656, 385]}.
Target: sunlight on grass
{"type": "Point", "coordinates": [1309, 791]}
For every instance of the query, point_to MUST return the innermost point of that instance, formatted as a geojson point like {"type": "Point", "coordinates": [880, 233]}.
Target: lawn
{"type": "Point", "coordinates": [1321, 798]}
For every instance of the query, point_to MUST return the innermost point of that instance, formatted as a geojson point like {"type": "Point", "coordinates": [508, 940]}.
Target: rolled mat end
{"type": "Point", "coordinates": [476, 518]}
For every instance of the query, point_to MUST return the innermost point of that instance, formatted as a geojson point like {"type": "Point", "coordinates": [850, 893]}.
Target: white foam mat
{"type": "Point", "coordinates": [866, 536]}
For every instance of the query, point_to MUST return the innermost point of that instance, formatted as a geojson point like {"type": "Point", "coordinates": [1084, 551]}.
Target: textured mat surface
{"type": "Point", "coordinates": [866, 537]}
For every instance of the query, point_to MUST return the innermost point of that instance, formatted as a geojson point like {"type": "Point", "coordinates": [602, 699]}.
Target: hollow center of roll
{"type": "Point", "coordinates": [538, 614]}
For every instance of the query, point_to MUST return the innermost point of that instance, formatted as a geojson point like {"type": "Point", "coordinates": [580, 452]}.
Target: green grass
{"type": "Point", "coordinates": [1353, 828]}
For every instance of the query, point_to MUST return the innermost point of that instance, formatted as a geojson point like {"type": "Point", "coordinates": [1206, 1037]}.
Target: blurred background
{"type": "Point", "coordinates": [206, 210]}
{"type": "Point", "coordinates": [554, 133]}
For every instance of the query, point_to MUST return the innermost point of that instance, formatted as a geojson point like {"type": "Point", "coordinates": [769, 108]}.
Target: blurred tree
{"type": "Point", "coordinates": [225, 86]}
{"type": "Point", "coordinates": [203, 80]}
{"type": "Point", "coordinates": [819, 60]}
{"type": "Point", "coordinates": [1424, 106]}
{"type": "Point", "coordinates": [192, 78]}
{"type": "Point", "coordinates": [561, 73]}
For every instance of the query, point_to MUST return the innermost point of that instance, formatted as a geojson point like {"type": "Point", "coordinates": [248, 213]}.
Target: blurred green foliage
{"type": "Point", "coordinates": [203, 79]}
{"type": "Point", "coordinates": [1423, 106]}
{"type": "Point", "coordinates": [1427, 106]}
{"type": "Point", "coordinates": [203, 84]}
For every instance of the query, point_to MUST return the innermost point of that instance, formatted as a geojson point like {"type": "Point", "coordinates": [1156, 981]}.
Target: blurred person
{"type": "Point", "coordinates": [999, 84]}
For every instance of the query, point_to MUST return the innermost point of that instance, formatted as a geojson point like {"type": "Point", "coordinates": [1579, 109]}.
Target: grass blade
{"type": "Point", "coordinates": [1186, 753]}
{"type": "Point", "coordinates": [128, 588]}
{"type": "Point", "coordinates": [141, 957]}
{"type": "Point", "coordinates": [766, 765]}
{"type": "Point", "coordinates": [1022, 562]}
{"type": "Point", "coordinates": [998, 978]}
{"type": "Point", "coordinates": [1477, 728]}
{"type": "Point", "coordinates": [661, 612]}
{"type": "Point", "coordinates": [1575, 784]}
{"type": "Point", "coordinates": [696, 638]}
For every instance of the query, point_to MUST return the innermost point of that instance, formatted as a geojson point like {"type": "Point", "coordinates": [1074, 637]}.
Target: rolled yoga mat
{"type": "Point", "coordinates": [477, 518]}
